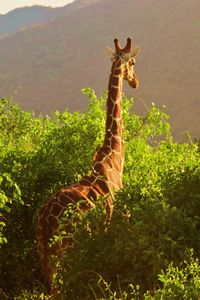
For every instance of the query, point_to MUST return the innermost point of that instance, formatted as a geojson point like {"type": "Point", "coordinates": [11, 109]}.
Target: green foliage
{"type": "Point", "coordinates": [35, 295]}
{"type": "Point", "coordinates": [156, 215]}
{"type": "Point", "coordinates": [9, 192]}
{"type": "Point", "coordinates": [179, 282]}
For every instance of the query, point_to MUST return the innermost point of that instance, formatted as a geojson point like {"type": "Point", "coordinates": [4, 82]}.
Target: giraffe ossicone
{"type": "Point", "coordinates": [107, 168]}
{"type": "Point", "coordinates": [133, 53]}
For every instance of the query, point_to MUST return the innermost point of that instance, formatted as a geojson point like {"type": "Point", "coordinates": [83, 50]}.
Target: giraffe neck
{"type": "Point", "coordinates": [114, 122]}
{"type": "Point", "coordinates": [109, 161]}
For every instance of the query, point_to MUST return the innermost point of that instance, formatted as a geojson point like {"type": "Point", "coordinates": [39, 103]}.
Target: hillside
{"type": "Point", "coordinates": [45, 67]}
{"type": "Point", "coordinates": [21, 18]}
{"type": "Point", "coordinates": [28, 16]}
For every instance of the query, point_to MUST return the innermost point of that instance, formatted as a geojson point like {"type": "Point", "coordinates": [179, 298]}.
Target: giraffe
{"type": "Point", "coordinates": [107, 168]}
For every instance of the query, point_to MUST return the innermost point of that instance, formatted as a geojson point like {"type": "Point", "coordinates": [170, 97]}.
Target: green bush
{"type": "Point", "coordinates": [179, 282]}
{"type": "Point", "coordinates": [156, 214]}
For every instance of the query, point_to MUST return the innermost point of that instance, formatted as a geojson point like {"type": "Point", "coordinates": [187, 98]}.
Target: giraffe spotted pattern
{"type": "Point", "coordinates": [107, 169]}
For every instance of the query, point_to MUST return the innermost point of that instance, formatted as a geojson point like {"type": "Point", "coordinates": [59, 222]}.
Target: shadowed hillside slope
{"type": "Point", "coordinates": [21, 18]}
{"type": "Point", "coordinates": [44, 68]}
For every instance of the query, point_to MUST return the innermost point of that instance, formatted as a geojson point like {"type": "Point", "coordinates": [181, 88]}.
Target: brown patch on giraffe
{"type": "Point", "coordinates": [101, 157]}
{"type": "Point", "coordinates": [114, 94]}
{"type": "Point", "coordinates": [108, 123]}
{"type": "Point", "coordinates": [57, 247]}
{"type": "Point", "coordinates": [93, 195]}
{"type": "Point", "coordinates": [78, 187]}
{"type": "Point", "coordinates": [117, 64]}
{"type": "Point", "coordinates": [42, 210]}
{"type": "Point", "coordinates": [117, 165]}
{"type": "Point", "coordinates": [50, 250]}
{"type": "Point", "coordinates": [106, 150]}
{"type": "Point", "coordinates": [86, 181]}
{"type": "Point", "coordinates": [116, 112]}
{"type": "Point", "coordinates": [115, 81]}
{"type": "Point", "coordinates": [41, 221]}
{"type": "Point", "coordinates": [114, 127]}
{"type": "Point", "coordinates": [53, 221]}
{"type": "Point", "coordinates": [40, 247]}
{"type": "Point", "coordinates": [115, 144]}
{"type": "Point", "coordinates": [98, 168]}
{"type": "Point", "coordinates": [101, 187]}
{"type": "Point", "coordinates": [107, 146]}
{"type": "Point", "coordinates": [67, 242]}
{"type": "Point", "coordinates": [83, 205]}
{"type": "Point", "coordinates": [67, 197]}
{"type": "Point", "coordinates": [117, 72]}
{"type": "Point", "coordinates": [56, 209]}
{"type": "Point", "coordinates": [108, 135]}
{"type": "Point", "coordinates": [110, 110]}
{"type": "Point", "coordinates": [64, 200]}
{"type": "Point", "coordinates": [38, 232]}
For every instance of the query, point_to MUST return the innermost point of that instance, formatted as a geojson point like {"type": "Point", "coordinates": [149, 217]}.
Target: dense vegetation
{"type": "Point", "coordinates": [150, 249]}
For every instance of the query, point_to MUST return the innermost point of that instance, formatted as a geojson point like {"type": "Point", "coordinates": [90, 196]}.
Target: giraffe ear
{"type": "Point", "coordinates": [132, 54]}
{"type": "Point", "coordinates": [110, 52]}
{"type": "Point", "coordinates": [135, 52]}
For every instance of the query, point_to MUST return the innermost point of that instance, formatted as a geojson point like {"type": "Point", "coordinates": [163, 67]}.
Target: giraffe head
{"type": "Point", "coordinates": [126, 58]}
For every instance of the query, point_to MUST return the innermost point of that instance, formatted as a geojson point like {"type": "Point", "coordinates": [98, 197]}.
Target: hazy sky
{"type": "Point", "coordinates": [7, 5]}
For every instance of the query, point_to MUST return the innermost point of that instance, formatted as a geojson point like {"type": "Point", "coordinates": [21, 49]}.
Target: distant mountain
{"type": "Point", "coordinates": [23, 17]}
{"type": "Point", "coordinates": [28, 16]}
{"type": "Point", "coordinates": [45, 67]}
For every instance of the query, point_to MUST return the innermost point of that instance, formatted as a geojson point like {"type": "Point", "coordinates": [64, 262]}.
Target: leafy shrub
{"type": "Point", "coordinates": [156, 216]}
{"type": "Point", "coordinates": [179, 282]}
